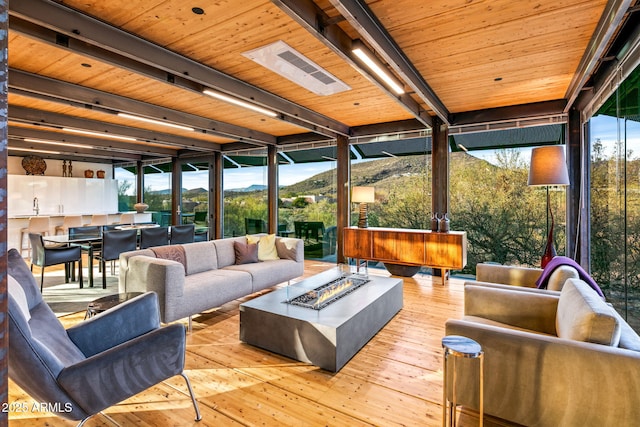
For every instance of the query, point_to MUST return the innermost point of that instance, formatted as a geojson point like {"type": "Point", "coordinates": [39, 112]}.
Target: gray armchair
{"type": "Point", "coordinates": [94, 364]}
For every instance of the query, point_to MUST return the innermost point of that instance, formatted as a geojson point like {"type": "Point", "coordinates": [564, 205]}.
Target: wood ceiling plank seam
{"type": "Point", "coordinates": [306, 13]}
{"type": "Point", "coordinates": [60, 120]}
{"type": "Point", "coordinates": [365, 23]}
{"type": "Point", "coordinates": [106, 36]}
{"type": "Point", "coordinates": [110, 102]}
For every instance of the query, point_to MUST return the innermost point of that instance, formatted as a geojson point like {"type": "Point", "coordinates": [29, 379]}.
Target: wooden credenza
{"type": "Point", "coordinates": [446, 251]}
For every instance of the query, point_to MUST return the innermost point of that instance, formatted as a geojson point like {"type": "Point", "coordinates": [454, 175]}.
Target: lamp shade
{"type": "Point", "coordinates": [548, 166]}
{"type": "Point", "coordinates": [363, 195]}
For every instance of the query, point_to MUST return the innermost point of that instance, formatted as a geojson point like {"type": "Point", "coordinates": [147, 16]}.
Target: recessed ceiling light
{"type": "Point", "coordinates": [99, 134]}
{"type": "Point", "coordinates": [284, 60]}
{"type": "Point", "coordinates": [33, 150]}
{"type": "Point", "coordinates": [155, 122]}
{"type": "Point", "coordinates": [497, 79]}
{"type": "Point", "coordinates": [197, 10]}
{"type": "Point", "coordinates": [65, 144]}
{"type": "Point", "coordinates": [367, 57]}
{"type": "Point", "coordinates": [239, 102]}
{"type": "Point", "coordinates": [84, 64]}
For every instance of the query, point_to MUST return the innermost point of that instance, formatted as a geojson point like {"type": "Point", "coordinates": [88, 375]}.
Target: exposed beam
{"type": "Point", "coordinates": [56, 90]}
{"type": "Point", "coordinates": [367, 25]}
{"type": "Point", "coordinates": [18, 143]}
{"type": "Point", "coordinates": [607, 27]}
{"type": "Point", "coordinates": [87, 35]}
{"type": "Point", "coordinates": [523, 111]}
{"type": "Point", "coordinates": [44, 118]}
{"type": "Point", "coordinates": [314, 20]}
{"type": "Point", "coordinates": [103, 145]}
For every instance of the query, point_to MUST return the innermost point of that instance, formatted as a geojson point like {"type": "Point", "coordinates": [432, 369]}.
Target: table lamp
{"type": "Point", "coordinates": [548, 167]}
{"type": "Point", "coordinates": [363, 195]}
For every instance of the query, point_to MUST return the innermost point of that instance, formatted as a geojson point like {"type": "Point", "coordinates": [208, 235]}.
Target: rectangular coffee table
{"type": "Point", "coordinates": [329, 337]}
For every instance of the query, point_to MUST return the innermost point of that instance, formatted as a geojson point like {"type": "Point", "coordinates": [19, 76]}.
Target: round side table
{"type": "Point", "coordinates": [463, 347]}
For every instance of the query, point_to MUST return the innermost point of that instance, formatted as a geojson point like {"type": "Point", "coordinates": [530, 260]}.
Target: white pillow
{"type": "Point", "coordinates": [584, 316]}
{"type": "Point", "coordinates": [17, 293]}
{"type": "Point", "coordinates": [266, 246]}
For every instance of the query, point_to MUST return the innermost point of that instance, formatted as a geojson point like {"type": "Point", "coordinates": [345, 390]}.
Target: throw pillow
{"type": "Point", "coordinates": [266, 246]}
{"type": "Point", "coordinates": [288, 248]}
{"type": "Point", "coordinates": [583, 316]}
{"type": "Point", "coordinates": [171, 252]}
{"type": "Point", "coordinates": [246, 253]}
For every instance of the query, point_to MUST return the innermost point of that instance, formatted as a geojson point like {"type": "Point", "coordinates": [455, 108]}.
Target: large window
{"type": "Point", "coordinates": [126, 188]}
{"type": "Point", "coordinates": [615, 198]}
{"type": "Point", "coordinates": [157, 191]}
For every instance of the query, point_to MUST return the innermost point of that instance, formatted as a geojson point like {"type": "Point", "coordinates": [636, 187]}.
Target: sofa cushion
{"type": "Point", "coordinates": [201, 256]}
{"type": "Point", "coordinates": [246, 253]}
{"type": "Point", "coordinates": [17, 293]}
{"type": "Point", "coordinates": [225, 252]}
{"type": "Point", "coordinates": [266, 246]}
{"type": "Point", "coordinates": [584, 316]}
{"type": "Point", "coordinates": [560, 275]}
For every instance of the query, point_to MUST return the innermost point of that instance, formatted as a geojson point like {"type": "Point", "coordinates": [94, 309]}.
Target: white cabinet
{"type": "Point", "coordinates": [61, 195]}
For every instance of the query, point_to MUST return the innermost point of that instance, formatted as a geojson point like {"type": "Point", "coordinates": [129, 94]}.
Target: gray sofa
{"type": "Point", "coordinates": [209, 276]}
{"type": "Point", "coordinates": [551, 358]}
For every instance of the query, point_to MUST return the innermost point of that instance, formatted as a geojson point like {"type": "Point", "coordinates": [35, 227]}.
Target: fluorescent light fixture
{"type": "Point", "coordinates": [99, 134]}
{"type": "Point", "coordinates": [284, 60]}
{"type": "Point", "coordinates": [239, 102]}
{"type": "Point", "coordinates": [34, 150]}
{"type": "Point", "coordinates": [155, 122]}
{"type": "Point", "coordinates": [374, 65]}
{"type": "Point", "coordinates": [64, 144]}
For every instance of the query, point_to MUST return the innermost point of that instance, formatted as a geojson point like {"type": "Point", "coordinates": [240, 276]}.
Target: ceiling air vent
{"type": "Point", "coordinates": [281, 58]}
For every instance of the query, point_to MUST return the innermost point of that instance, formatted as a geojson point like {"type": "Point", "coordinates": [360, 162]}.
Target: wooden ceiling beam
{"type": "Point", "coordinates": [124, 49]}
{"type": "Point", "coordinates": [369, 27]}
{"type": "Point", "coordinates": [76, 153]}
{"type": "Point", "coordinates": [44, 118]}
{"type": "Point", "coordinates": [315, 21]}
{"type": "Point", "coordinates": [56, 90]}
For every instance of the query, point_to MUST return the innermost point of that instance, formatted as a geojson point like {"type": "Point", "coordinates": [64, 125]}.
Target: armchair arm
{"type": "Point", "coordinates": [115, 326]}
{"type": "Point", "coordinates": [508, 275]}
{"type": "Point", "coordinates": [534, 379]}
{"type": "Point", "coordinates": [528, 310]}
{"type": "Point", "coordinates": [120, 372]}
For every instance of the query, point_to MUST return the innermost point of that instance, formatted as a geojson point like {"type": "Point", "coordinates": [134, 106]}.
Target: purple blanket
{"type": "Point", "coordinates": [558, 261]}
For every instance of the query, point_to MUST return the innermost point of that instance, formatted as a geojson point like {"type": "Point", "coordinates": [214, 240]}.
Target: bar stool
{"type": "Point", "coordinates": [99, 219]}
{"type": "Point", "coordinates": [459, 347]}
{"type": "Point", "coordinates": [37, 225]}
{"type": "Point", "coordinates": [127, 218]}
{"type": "Point", "coordinates": [68, 222]}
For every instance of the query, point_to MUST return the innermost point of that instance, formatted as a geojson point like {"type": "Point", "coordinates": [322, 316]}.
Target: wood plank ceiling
{"type": "Point", "coordinates": [77, 63]}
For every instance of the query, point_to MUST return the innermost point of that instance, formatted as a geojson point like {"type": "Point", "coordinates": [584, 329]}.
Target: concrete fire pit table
{"type": "Point", "coordinates": [329, 337]}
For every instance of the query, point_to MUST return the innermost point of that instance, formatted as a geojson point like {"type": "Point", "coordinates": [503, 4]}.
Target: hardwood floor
{"type": "Point", "coordinates": [395, 380]}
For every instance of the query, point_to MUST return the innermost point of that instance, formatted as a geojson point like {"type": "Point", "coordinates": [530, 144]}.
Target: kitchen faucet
{"type": "Point", "coordinates": [36, 207]}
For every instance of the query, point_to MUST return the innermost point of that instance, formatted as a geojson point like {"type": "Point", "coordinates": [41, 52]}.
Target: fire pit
{"type": "Point", "coordinates": [326, 294]}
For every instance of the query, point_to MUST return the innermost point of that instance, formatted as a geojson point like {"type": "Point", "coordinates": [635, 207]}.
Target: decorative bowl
{"type": "Point", "coordinates": [140, 207]}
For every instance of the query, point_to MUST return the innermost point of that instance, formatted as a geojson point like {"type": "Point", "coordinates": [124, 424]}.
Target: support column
{"type": "Point", "coordinates": [439, 176]}
{"type": "Point", "coordinates": [218, 196]}
{"type": "Point", "coordinates": [439, 167]}
{"type": "Point", "coordinates": [574, 166]}
{"type": "Point", "coordinates": [176, 190]}
{"type": "Point", "coordinates": [4, 333]}
{"type": "Point", "coordinates": [343, 177]}
{"type": "Point", "coordinates": [584, 233]}
{"type": "Point", "coordinates": [139, 181]}
{"type": "Point", "coordinates": [272, 188]}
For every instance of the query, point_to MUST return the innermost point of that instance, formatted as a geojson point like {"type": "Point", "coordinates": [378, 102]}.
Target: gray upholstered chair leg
{"type": "Point", "coordinates": [193, 397]}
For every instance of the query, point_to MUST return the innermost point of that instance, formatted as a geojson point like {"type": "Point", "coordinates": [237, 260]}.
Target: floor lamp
{"type": "Point", "coordinates": [363, 195]}
{"type": "Point", "coordinates": [548, 167]}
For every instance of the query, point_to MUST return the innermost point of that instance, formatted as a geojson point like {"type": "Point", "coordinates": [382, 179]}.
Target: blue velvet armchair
{"type": "Point", "coordinates": [95, 364]}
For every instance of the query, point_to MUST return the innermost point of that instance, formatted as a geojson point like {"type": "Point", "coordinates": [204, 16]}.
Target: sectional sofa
{"type": "Point", "coordinates": [194, 277]}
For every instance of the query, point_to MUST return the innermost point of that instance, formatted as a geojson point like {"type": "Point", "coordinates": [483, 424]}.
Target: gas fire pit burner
{"type": "Point", "coordinates": [330, 292]}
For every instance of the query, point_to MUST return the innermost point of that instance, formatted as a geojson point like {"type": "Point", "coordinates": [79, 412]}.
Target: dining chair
{"type": "Point", "coordinates": [38, 225]}
{"type": "Point", "coordinates": [182, 234]}
{"type": "Point", "coordinates": [45, 256]}
{"type": "Point", "coordinates": [154, 236]}
{"type": "Point", "coordinates": [115, 242]}
{"type": "Point", "coordinates": [69, 221]}
{"type": "Point", "coordinates": [89, 239]}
